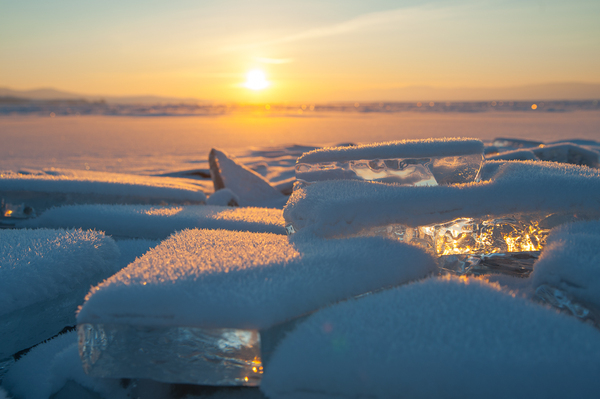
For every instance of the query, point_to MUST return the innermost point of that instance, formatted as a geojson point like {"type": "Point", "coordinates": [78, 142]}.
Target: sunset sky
{"type": "Point", "coordinates": [302, 50]}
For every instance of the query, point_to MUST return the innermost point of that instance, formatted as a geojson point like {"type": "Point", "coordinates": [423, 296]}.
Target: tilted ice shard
{"type": "Point", "coordinates": [409, 162]}
{"type": "Point", "coordinates": [562, 300]}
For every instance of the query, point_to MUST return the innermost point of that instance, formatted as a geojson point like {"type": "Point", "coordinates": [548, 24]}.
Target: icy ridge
{"type": "Point", "coordinates": [396, 149]}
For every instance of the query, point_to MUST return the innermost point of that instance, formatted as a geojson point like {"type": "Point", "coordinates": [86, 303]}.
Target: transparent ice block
{"type": "Point", "coordinates": [187, 355]}
{"type": "Point", "coordinates": [427, 171]}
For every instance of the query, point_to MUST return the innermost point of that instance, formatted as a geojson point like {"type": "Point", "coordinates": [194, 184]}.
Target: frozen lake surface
{"type": "Point", "coordinates": [162, 144]}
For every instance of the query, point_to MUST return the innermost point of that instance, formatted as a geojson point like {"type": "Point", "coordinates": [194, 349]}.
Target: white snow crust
{"type": "Point", "coordinates": [439, 338]}
{"type": "Point", "coordinates": [158, 222]}
{"type": "Point", "coordinates": [227, 279]}
{"type": "Point", "coordinates": [340, 208]}
{"type": "Point", "coordinates": [40, 265]}
{"type": "Point", "coordinates": [571, 262]}
{"type": "Point", "coordinates": [100, 187]}
{"type": "Point", "coordinates": [396, 149]}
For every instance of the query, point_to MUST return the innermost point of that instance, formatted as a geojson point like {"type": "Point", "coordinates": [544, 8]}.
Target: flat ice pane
{"type": "Point", "coordinates": [186, 355]}
{"type": "Point", "coordinates": [427, 171]}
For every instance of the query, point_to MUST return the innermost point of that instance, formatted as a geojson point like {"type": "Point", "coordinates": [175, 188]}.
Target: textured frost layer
{"type": "Point", "coordinates": [440, 338]}
{"type": "Point", "coordinates": [227, 279]}
{"type": "Point", "coordinates": [171, 354]}
{"type": "Point", "coordinates": [427, 171]}
{"type": "Point", "coordinates": [154, 222]}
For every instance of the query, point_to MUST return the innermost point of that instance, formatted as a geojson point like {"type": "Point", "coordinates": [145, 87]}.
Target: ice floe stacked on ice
{"type": "Point", "coordinates": [202, 297]}
{"type": "Point", "coordinates": [44, 275]}
{"type": "Point", "coordinates": [158, 222]}
{"type": "Point", "coordinates": [578, 152]}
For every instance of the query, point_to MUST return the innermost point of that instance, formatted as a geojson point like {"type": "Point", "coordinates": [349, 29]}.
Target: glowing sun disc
{"type": "Point", "coordinates": [256, 80]}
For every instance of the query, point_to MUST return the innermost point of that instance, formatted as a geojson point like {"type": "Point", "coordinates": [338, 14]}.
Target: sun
{"type": "Point", "coordinates": [256, 80]}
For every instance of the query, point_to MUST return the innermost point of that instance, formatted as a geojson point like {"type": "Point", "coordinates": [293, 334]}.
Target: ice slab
{"type": "Point", "coordinates": [158, 222]}
{"type": "Point", "coordinates": [249, 186]}
{"type": "Point", "coordinates": [518, 264]}
{"type": "Point", "coordinates": [571, 263]}
{"type": "Point", "coordinates": [217, 279]}
{"type": "Point", "coordinates": [44, 275]}
{"type": "Point", "coordinates": [409, 162]}
{"type": "Point", "coordinates": [450, 338]}
{"type": "Point", "coordinates": [44, 189]}
{"type": "Point", "coordinates": [346, 208]}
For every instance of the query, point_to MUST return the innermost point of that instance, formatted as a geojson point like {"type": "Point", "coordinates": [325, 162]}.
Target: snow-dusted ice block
{"type": "Point", "coordinates": [44, 276]}
{"type": "Point", "coordinates": [409, 162]}
{"type": "Point", "coordinates": [562, 152]}
{"type": "Point", "coordinates": [439, 338]}
{"type": "Point", "coordinates": [158, 222]}
{"type": "Point", "coordinates": [567, 275]}
{"type": "Point", "coordinates": [44, 189]}
{"type": "Point", "coordinates": [216, 290]}
{"type": "Point", "coordinates": [346, 208]}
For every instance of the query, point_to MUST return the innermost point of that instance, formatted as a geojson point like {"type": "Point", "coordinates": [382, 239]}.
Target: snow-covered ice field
{"type": "Point", "coordinates": [132, 197]}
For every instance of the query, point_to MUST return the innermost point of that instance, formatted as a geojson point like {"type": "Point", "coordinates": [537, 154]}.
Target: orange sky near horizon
{"type": "Point", "coordinates": [309, 51]}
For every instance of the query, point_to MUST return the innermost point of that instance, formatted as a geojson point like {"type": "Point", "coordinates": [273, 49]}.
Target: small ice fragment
{"type": "Point", "coordinates": [248, 185]}
{"type": "Point", "coordinates": [515, 143]}
{"type": "Point", "coordinates": [410, 162]}
{"type": "Point", "coordinates": [223, 197]}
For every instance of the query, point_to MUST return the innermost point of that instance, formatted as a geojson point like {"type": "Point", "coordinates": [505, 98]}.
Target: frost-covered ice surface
{"type": "Point", "coordinates": [440, 338]}
{"type": "Point", "coordinates": [228, 279]}
{"type": "Point", "coordinates": [158, 222]}
{"type": "Point", "coordinates": [571, 264]}
{"type": "Point", "coordinates": [47, 188]}
{"type": "Point", "coordinates": [407, 162]}
{"type": "Point", "coordinates": [44, 275]}
{"type": "Point", "coordinates": [190, 310]}
{"type": "Point", "coordinates": [343, 208]}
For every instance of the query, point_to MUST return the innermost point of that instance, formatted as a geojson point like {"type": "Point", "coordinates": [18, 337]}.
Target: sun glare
{"type": "Point", "coordinates": [256, 80]}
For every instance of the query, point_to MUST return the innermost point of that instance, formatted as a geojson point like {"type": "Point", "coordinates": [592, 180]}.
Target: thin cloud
{"type": "Point", "coordinates": [361, 22]}
{"type": "Point", "coordinates": [273, 60]}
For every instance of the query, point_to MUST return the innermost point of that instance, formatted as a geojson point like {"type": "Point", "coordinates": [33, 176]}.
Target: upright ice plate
{"type": "Point", "coordinates": [191, 310]}
{"type": "Point", "coordinates": [408, 162]}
